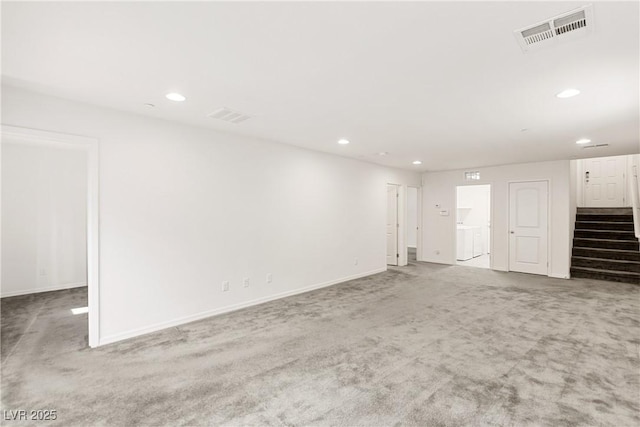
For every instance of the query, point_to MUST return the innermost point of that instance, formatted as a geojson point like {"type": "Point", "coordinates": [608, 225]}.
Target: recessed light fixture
{"type": "Point", "coordinates": [174, 96]}
{"type": "Point", "coordinates": [583, 141]}
{"type": "Point", "coordinates": [568, 93]}
{"type": "Point", "coordinates": [417, 162]}
{"type": "Point", "coordinates": [383, 153]}
{"type": "Point", "coordinates": [343, 141]}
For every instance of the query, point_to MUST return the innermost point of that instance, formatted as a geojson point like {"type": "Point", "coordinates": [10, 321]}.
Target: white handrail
{"type": "Point", "coordinates": [635, 199]}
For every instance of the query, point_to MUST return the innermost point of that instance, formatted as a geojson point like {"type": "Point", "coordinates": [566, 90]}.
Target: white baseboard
{"type": "Point", "coordinates": [435, 261]}
{"type": "Point", "coordinates": [45, 289]}
{"type": "Point", "coordinates": [209, 313]}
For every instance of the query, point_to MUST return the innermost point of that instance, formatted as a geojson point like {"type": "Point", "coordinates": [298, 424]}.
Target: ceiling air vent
{"type": "Point", "coordinates": [595, 146]}
{"type": "Point", "coordinates": [228, 115]}
{"type": "Point", "coordinates": [578, 22]}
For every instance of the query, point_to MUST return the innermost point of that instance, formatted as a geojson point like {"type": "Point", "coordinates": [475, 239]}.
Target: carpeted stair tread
{"type": "Point", "coordinates": [604, 225]}
{"type": "Point", "coordinates": [604, 218]}
{"type": "Point", "coordinates": [629, 245]}
{"type": "Point", "coordinates": [600, 274]}
{"type": "Point", "coordinates": [606, 253]}
{"type": "Point", "coordinates": [607, 264]}
{"type": "Point", "coordinates": [605, 211]}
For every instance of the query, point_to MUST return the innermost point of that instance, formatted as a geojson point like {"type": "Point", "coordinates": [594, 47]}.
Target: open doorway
{"type": "Point", "coordinates": [473, 225]}
{"type": "Point", "coordinates": [50, 233]}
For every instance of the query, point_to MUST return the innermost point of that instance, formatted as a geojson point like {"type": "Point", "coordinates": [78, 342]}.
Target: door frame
{"type": "Point", "coordinates": [402, 223]}
{"type": "Point", "coordinates": [418, 222]}
{"type": "Point", "coordinates": [491, 219]}
{"type": "Point", "coordinates": [549, 225]}
{"type": "Point", "coordinates": [91, 146]}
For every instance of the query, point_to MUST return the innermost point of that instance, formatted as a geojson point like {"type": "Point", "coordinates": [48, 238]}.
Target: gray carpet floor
{"type": "Point", "coordinates": [424, 345]}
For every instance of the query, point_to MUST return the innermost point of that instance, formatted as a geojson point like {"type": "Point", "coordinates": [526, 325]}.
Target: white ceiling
{"type": "Point", "coordinates": [445, 83]}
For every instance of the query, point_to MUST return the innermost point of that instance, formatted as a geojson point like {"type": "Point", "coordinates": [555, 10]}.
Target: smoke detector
{"type": "Point", "coordinates": [576, 23]}
{"type": "Point", "coordinates": [228, 115]}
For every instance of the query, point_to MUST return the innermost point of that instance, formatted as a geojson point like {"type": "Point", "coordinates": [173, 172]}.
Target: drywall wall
{"type": "Point", "coordinates": [183, 209]}
{"type": "Point", "coordinates": [44, 204]}
{"type": "Point", "coordinates": [412, 217]}
{"type": "Point", "coordinates": [439, 194]}
{"type": "Point", "coordinates": [474, 209]}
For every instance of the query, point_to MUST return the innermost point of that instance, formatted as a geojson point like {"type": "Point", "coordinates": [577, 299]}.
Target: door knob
{"type": "Point", "coordinates": [512, 232]}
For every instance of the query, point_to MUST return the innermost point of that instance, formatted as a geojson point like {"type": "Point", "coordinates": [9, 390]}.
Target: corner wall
{"type": "Point", "coordinates": [439, 232]}
{"type": "Point", "coordinates": [183, 209]}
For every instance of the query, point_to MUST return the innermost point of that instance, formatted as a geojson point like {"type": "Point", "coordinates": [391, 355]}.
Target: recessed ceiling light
{"type": "Point", "coordinates": [173, 96]}
{"type": "Point", "coordinates": [568, 93]}
{"type": "Point", "coordinates": [417, 162]}
{"type": "Point", "coordinates": [382, 153]}
{"type": "Point", "coordinates": [583, 141]}
{"type": "Point", "coordinates": [343, 141]}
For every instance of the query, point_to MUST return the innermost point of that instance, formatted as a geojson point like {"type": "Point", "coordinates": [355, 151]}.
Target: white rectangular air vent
{"type": "Point", "coordinates": [228, 115]}
{"type": "Point", "coordinates": [595, 146]}
{"type": "Point", "coordinates": [578, 22]}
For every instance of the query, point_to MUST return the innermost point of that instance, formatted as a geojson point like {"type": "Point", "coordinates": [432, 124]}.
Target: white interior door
{"type": "Point", "coordinates": [603, 180]}
{"type": "Point", "coordinates": [528, 227]}
{"type": "Point", "coordinates": [392, 224]}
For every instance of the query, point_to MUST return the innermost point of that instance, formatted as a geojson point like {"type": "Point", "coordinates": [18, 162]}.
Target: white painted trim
{"type": "Point", "coordinates": [557, 276]}
{"type": "Point", "coordinates": [45, 289]}
{"type": "Point", "coordinates": [437, 261]}
{"type": "Point", "coordinates": [418, 246]}
{"type": "Point", "coordinates": [91, 145]}
{"type": "Point", "coordinates": [397, 257]}
{"type": "Point", "coordinates": [202, 315]}
{"type": "Point", "coordinates": [403, 259]}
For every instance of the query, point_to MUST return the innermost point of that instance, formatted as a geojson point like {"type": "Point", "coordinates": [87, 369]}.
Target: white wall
{"type": "Point", "coordinates": [412, 217]}
{"type": "Point", "coordinates": [44, 207]}
{"type": "Point", "coordinates": [439, 231]}
{"type": "Point", "coordinates": [183, 209]}
{"type": "Point", "coordinates": [474, 209]}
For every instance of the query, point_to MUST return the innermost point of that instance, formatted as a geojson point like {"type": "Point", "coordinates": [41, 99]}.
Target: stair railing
{"type": "Point", "coordinates": [635, 199]}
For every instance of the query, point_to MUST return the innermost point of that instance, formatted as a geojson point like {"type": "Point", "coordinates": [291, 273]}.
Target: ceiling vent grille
{"type": "Point", "coordinates": [578, 22]}
{"type": "Point", "coordinates": [228, 115]}
{"type": "Point", "coordinates": [595, 146]}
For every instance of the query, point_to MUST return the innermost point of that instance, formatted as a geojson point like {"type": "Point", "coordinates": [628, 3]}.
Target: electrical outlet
{"type": "Point", "coordinates": [225, 286]}
{"type": "Point", "coordinates": [245, 282]}
{"type": "Point", "coordinates": [269, 277]}
{"type": "Point", "coordinates": [355, 261]}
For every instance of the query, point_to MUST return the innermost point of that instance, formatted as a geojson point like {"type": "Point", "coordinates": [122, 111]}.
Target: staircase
{"type": "Point", "coordinates": [605, 246]}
